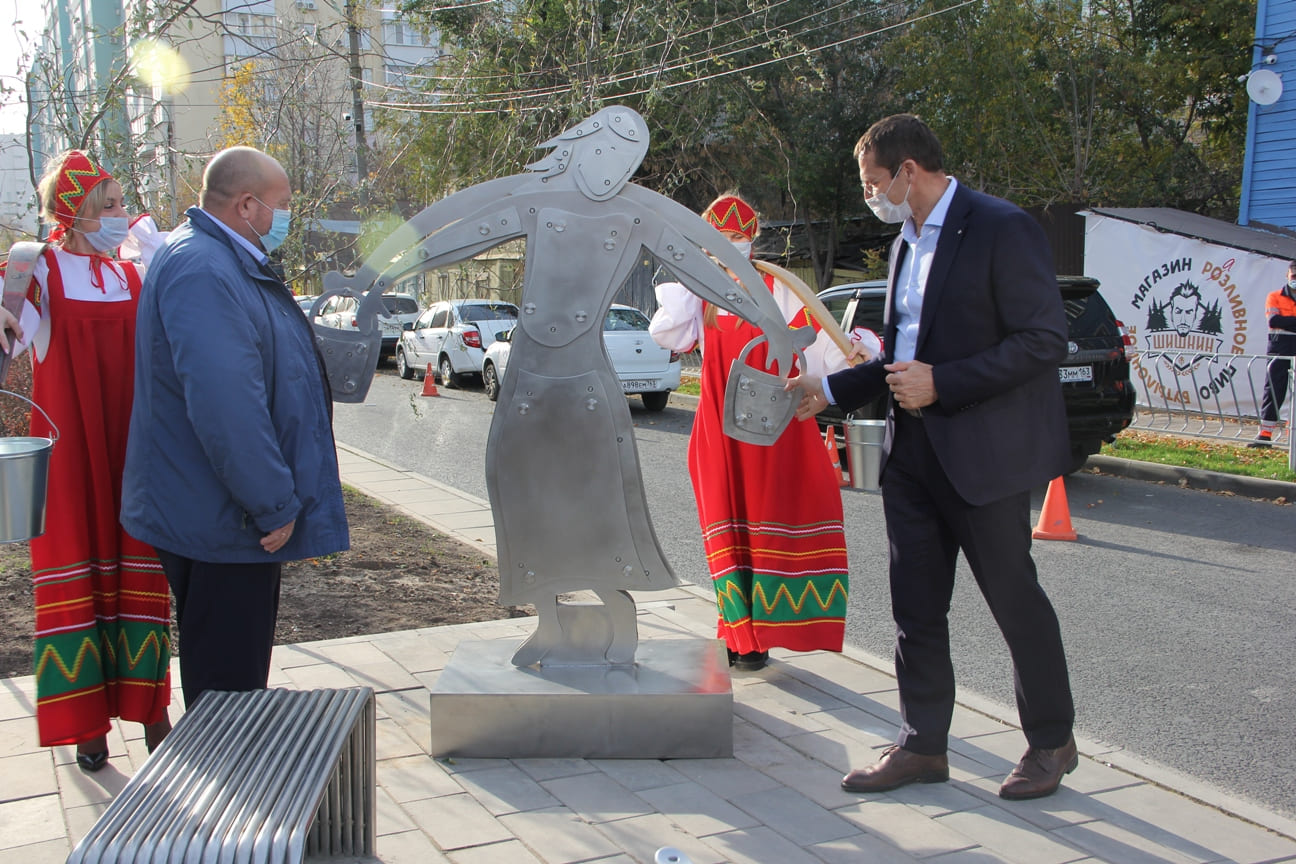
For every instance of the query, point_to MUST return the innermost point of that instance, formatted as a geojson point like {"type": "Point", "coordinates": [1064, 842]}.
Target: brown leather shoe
{"type": "Point", "coordinates": [1039, 772]}
{"type": "Point", "coordinates": [896, 768]}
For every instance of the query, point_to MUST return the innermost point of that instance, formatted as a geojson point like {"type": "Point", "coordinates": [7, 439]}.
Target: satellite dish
{"type": "Point", "coordinates": [1264, 86]}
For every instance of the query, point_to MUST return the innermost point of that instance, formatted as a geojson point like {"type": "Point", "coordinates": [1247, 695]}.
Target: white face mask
{"type": "Point", "coordinates": [887, 211]}
{"type": "Point", "coordinates": [743, 246]}
{"type": "Point", "coordinates": [1291, 284]}
{"type": "Point", "coordinates": [111, 234]}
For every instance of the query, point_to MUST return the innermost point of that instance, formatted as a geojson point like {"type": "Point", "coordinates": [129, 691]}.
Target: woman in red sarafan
{"type": "Point", "coordinates": [103, 644]}
{"type": "Point", "coordinates": [771, 516]}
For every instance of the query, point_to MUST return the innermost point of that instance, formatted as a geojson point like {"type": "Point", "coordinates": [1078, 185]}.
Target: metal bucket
{"type": "Point", "coordinates": [864, 452]}
{"type": "Point", "coordinates": [24, 476]}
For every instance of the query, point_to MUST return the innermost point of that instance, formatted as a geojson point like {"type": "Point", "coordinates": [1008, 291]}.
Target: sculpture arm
{"type": "Point", "coordinates": [456, 242]}
{"type": "Point", "coordinates": [680, 245]}
{"type": "Point", "coordinates": [677, 323]}
{"type": "Point", "coordinates": [426, 222]}
{"type": "Point", "coordinates": [747, 297]}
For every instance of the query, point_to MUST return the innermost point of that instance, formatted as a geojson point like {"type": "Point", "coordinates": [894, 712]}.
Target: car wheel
{"type": "Point", "coordinates": [448, 377]}
{"type": "Point", "coordinates": [655, 401]}
{"type": "Point", "coordinates": [402, 365]}
{"type": "Point", "coordinates": [1080, 453]}
{"type": "Point", "coordinates": [490, 382]}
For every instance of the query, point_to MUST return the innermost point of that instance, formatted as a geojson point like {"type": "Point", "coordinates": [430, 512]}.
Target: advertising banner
{"type": "Point", "coordinates": [1195, 310]}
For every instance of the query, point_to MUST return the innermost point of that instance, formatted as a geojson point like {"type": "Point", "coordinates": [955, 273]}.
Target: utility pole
{"type": "Point", "coordinates": [169, 104]}
{"type": "Point", "coordinates": [357, 102]}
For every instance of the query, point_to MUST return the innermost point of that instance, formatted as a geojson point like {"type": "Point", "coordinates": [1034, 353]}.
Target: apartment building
{"type": "Point", "coordinates": [18, 209]}
{"type": "Point", "coordinates": [295, 76]}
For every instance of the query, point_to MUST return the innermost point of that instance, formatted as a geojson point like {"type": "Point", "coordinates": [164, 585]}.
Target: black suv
{"type": "Point", "coordinates": [1095, 374]}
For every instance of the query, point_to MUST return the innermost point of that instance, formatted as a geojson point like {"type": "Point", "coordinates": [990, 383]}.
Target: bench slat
{"type": "Point", "coordinates": [249, 777]}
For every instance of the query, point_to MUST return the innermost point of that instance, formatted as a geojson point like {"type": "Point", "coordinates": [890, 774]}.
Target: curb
{"type": "Point", "coordinates": [1278, 491]}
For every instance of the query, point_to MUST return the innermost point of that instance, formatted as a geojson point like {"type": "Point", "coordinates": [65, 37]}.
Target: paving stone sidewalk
{"type": "Point", "coordinates": [799, 725]}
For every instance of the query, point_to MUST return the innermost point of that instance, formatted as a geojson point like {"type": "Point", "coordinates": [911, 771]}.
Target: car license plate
{"type": "Point", "coordinates": [636, 385]}
{"type": "Point", "coordinates": [391, 329]}
{"type": "Point", "coordinates": [1075, 373]}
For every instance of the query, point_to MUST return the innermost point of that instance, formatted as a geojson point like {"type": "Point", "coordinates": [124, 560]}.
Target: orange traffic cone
{"type": "Point", "coordinates": [830, 441]}
{"type": "Point", "coordinates": [1055, 518]}
{"type": "Point", "coordinates": [429, 384]}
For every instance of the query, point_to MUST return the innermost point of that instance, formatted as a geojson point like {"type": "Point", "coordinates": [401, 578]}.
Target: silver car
{"type": "Point", "coordinates": [401, 311]}
{"type": "Point", "coordinates": [643, 367]}
{"type": "Point", "coordinates": [453, 336]}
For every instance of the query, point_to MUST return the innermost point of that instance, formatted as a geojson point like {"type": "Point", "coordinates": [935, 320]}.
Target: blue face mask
{"type": "Point", "coordinates": [279, 225]}
{"type": "Point", "coordinates": [111, 234]}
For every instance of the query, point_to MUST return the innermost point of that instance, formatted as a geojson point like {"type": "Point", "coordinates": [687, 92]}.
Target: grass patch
{"type": "Point", "coordinates": [1207, 455]}
{"type": "Point", "coordinates": [690, 385]}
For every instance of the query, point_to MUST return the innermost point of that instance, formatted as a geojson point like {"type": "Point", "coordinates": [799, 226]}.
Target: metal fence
{"type": "Point", "coordinates": [1206, 395]}
{"type": "Point", "coordinates": [691, 363]}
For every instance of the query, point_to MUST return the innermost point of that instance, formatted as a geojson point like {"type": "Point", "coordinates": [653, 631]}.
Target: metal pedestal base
{"type": "Point", "coordinates": [674, 702]}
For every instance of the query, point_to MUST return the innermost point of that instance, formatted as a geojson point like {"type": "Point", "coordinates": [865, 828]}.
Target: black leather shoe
{"type": "Point", "coordinates": [751, 661]}
{"type": "Point", "coordinates": [92, 761]}
{"type": "Point", "coordinates": [897, 767]}
{"type": "Point", "coordinates": [1039, 773]}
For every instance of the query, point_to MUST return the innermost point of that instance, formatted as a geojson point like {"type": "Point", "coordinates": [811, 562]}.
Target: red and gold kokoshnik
{"type": "Point", "coordinates": [75, 180]}
{"type": "Point", "coordinates": [731, 213]}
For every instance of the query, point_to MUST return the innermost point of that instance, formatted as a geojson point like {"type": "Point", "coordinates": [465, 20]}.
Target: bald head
{"type": "Point", "coordinates": [236, 171]}
{"type": "Point", "coordinates": [242, 187]}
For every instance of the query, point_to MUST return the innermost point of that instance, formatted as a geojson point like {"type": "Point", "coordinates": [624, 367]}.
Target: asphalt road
{"type": "Point", "coordinates": [1178, 606]}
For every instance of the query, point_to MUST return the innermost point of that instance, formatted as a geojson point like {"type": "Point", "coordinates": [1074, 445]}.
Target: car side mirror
{"type": "Point", "coordinates": [504, 336]}
{"type": "Point", "coordinates": [408, 325]}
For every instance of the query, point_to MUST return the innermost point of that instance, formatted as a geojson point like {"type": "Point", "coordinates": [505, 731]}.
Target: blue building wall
{"type": "Point", "coordinates": [1269, 168]}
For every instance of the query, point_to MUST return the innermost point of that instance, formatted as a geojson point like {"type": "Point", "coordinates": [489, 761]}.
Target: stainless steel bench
{"type": "Point", "coordinates": [262, 776]}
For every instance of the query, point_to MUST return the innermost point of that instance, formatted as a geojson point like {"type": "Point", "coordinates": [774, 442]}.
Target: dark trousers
{"type": "Point", "coordinates": [927, 524]}
{"type": "Point", "coordinates": [226, 615]}
{"type": "Point", "coordinates": [1275, 389]}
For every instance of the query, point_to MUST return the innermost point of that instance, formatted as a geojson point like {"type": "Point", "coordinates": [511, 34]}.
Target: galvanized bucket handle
{"type": "Point", "coordinates": [38, 408]}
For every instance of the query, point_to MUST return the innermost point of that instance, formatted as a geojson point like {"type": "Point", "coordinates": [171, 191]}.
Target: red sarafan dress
{"type": "Point", "coordinates": [103, 644]}
{"type": "Point", "coordinates": [771, 517]}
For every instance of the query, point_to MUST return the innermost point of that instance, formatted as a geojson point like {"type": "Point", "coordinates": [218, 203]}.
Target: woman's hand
{"type": "Point", "coordinates": [9, 324]}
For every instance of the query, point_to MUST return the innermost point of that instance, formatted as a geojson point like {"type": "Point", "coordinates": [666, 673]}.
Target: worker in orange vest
{"type": "Point", "coordinates": [1280, 309]}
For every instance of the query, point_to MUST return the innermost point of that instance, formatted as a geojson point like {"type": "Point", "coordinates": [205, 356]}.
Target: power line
{"type": "Point", "coordinates": [489, 103]}
{"type": "Point", "coordinates": [687, 62]}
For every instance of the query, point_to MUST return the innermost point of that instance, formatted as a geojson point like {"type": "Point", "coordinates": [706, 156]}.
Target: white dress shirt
{"type": "Point", "coordinates": [911, 280]}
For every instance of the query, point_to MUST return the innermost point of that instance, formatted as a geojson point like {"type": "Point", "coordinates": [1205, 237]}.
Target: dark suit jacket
{"type": "Point", "coordinates": [994, 330]}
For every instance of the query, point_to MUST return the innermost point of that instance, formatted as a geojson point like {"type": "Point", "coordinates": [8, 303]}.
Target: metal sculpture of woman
{"type": "Point", "coordinates": [561, 465]}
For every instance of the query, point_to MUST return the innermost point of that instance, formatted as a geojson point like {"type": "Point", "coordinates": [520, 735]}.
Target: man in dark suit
{"type": "Point", "coordinates": [974, 331]}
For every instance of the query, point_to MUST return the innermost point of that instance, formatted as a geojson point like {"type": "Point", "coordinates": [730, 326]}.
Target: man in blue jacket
{"type": "Point", "coordinates": [230, 464]}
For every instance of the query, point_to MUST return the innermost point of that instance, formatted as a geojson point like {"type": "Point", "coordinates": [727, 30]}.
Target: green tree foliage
{"type": "Point", "coordinates": [765, 99]}
{"type": "Point", "coordinates": [1109, 102]}
{"type": "Point", "coordinates": [1106, 102]}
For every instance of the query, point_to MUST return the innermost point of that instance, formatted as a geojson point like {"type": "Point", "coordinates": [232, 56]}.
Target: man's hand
{"type": "Point", "coordinates": [912, 384]}
{"type": "Point", "coordinates": [812, 396]}
{"type": "Point", "coordinates": [275, 540]}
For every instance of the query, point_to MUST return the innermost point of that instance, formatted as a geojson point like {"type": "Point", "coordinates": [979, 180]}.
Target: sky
{"type": "Point", "coordinates": [15, 16]}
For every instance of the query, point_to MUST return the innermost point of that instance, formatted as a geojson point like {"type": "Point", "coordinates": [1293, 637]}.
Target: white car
{"type": "Point", "coordinates": [453, 336]}
{"type": "Point", "coordinates": [644, 367]}
{"type": "Point", "coordinates": [402, 311]}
